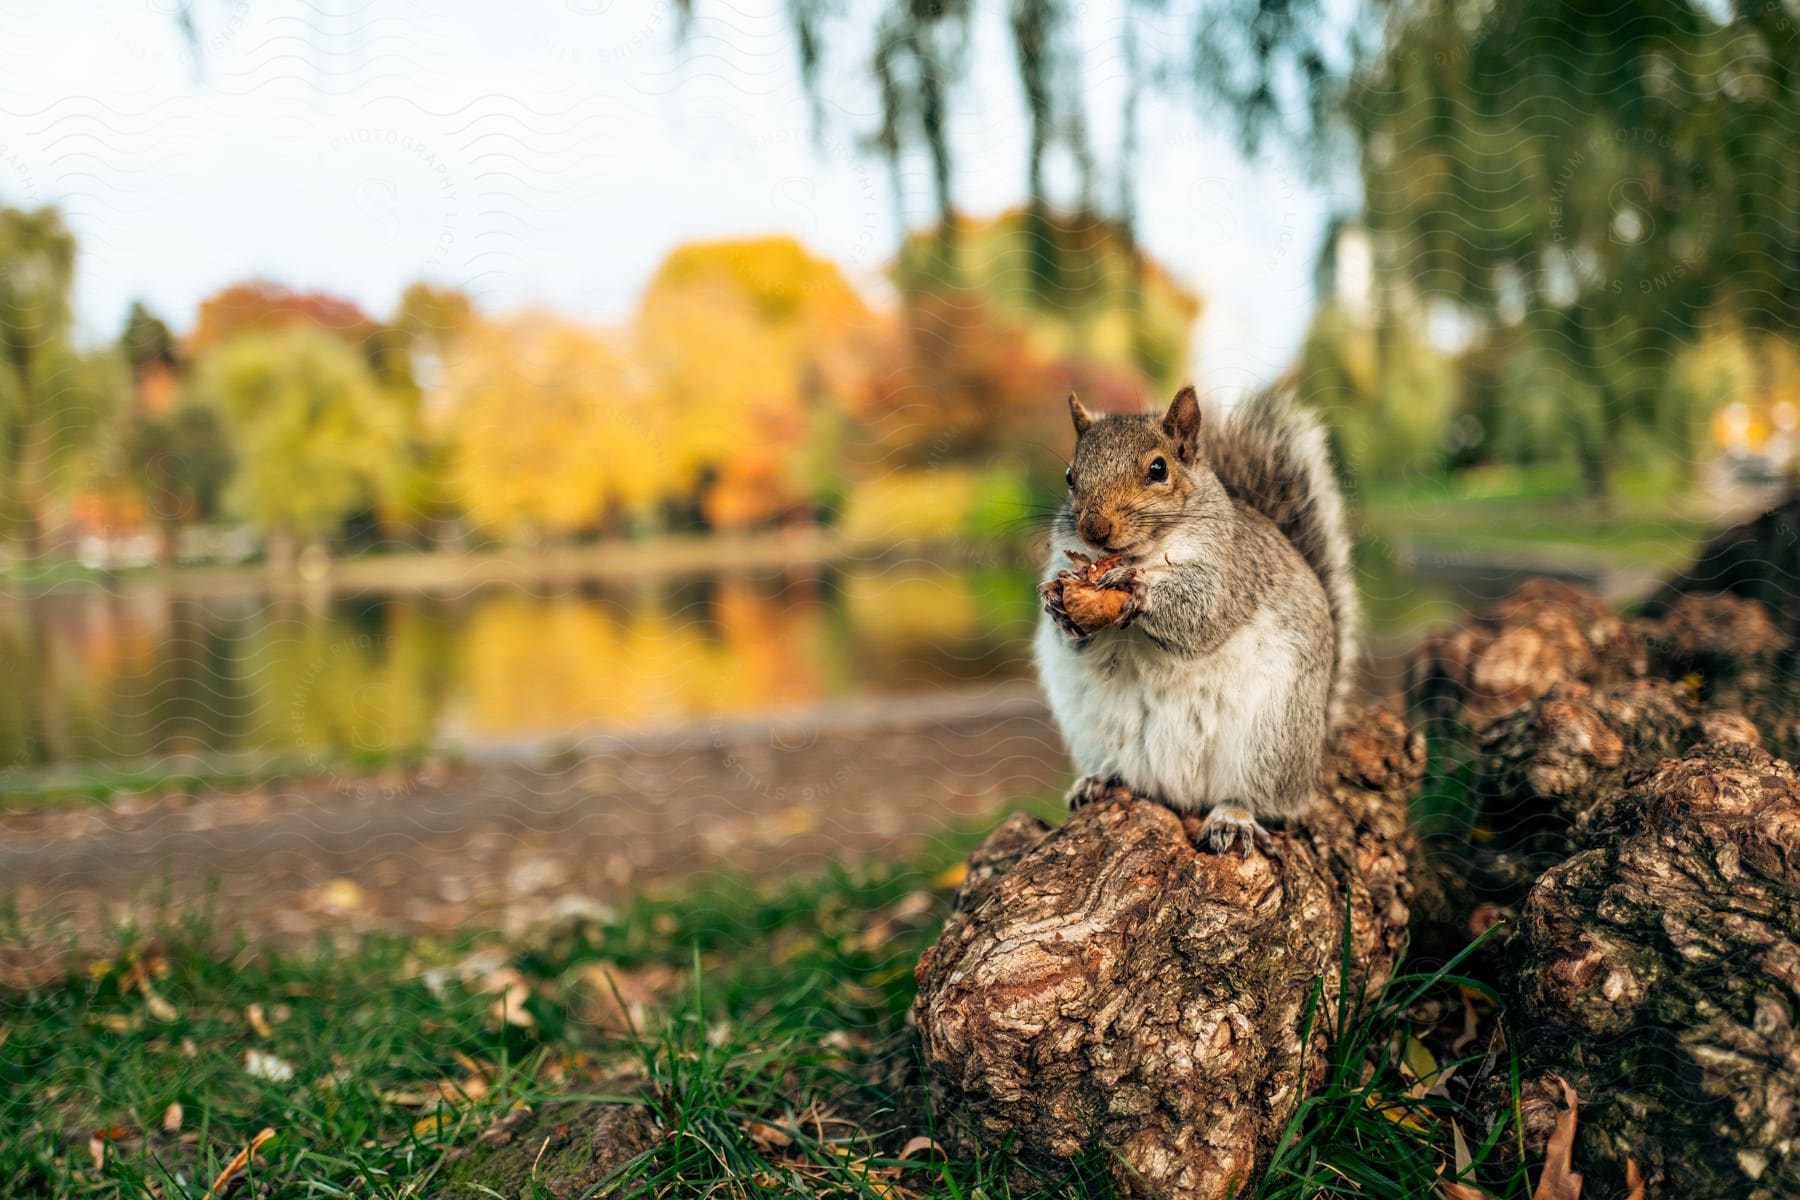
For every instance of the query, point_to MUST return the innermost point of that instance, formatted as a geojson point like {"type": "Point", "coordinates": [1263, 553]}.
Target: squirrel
{"type": "Point", "coordinates": [1213, 682]}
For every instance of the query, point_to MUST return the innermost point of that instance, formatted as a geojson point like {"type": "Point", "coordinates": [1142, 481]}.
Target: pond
{"type": "Point", "coordinates": [139, 673]}
{"type": "Point", "coordinates": [135, 674]}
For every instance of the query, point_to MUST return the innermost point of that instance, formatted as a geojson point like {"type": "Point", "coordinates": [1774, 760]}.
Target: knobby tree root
{"type": "Point", "coordinates": [1658, 971]}
{"type": "Point", "coordinates": [1106, 986]}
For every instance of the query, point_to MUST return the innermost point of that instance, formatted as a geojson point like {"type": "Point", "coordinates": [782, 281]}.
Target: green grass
{"type": "Point", "coordinates": [99, 782]}
{"type": "Point", "coordinates": [1647, 523]}
{"type": "Point", "coordinates": [765, 1024]}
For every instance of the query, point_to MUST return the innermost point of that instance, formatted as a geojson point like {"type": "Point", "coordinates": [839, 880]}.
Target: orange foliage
{"type": "Point", "coordinates": [550, 426]}
{"type": "Point", "coordinates": [953, 380]}
{"type": "Point", "coordinates": [260, 306]}
{"type": "Point", "coordinates": [749, 339]}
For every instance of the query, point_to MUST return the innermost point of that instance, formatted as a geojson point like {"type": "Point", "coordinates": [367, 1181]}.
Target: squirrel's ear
{"type": "Point", "coordinates": [1081, 416]}
{"type": "Point", "coordinates": [1182, 422]}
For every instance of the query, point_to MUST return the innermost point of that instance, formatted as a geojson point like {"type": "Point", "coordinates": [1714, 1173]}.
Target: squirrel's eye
{"type": "Point", "coordinates": [1159, 470]}
{"type": "Point", "coordinates": [1069, 476]}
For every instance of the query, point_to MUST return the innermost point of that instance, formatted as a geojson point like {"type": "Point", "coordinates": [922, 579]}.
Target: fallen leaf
{"type": "Point", "coordinates": [1463, 1158]}
{"type": "Point", "coordinates": [458, 1091]}
{"type": "Point", "coordinates": [410, 1099]}
{"type": "Point", "coordinates": [512, 991]}
{"type": "Point", "coordinates": [171, 1121]}
{"type": "Point", "coordinates": [336, 896]}
{"type": "Point", "coordinates": [1471, 1020]}
{"type": "Point", "coordinates": [258, 1022]}
{"type": "Point", "coordinates": [1559, 1180]}
{"type": "Point", "coordinates": [951, 877]}
{"type": "Point", "coordinates": [1418, 1064]}
{"type": "Point", "coordinates": [101, 1138]}
{"type": "Point", "coordinates": [266, 1066]}
{"type": "Point", "coordinates": [1634, 1180]}
{"type": "Point", "coordinates": [919, 1145]}
{"type": "Point", "coordinates": [159, 1008]}
{"type": "Point", "coordinates": [1461, 1191]}
{"type": "Point", "coordinates": [624, 1000]}
{"type": "Point", "coordinates": [238, 1163]}
{"type": "Point", "coordinates": [768, 1136]}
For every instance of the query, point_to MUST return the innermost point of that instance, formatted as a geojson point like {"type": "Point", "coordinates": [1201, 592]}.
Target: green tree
{"type": "Point", "coordinates": [54, 399]}
{"type": "Point", "coordinates": [316, 438]}
{"type": "Point", "coordinates": [1594, 184]}
{"type": "Point", "coordinates": [179, 462]}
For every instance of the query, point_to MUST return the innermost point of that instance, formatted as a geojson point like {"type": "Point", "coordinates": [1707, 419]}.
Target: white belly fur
{"type": "Point", "coordinates": [1186, 730]}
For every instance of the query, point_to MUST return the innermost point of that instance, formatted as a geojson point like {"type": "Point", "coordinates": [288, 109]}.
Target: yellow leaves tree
{"type": "Point", "coordinates": [552, 428]}
{"type": "Point", "coordinates": [758, 346]}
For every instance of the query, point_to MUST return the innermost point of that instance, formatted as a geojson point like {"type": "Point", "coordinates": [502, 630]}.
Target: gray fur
{"type": "Point", "coordinates": [1272, 454]}
{"type": "Point", "coordinates": [1220, 691]}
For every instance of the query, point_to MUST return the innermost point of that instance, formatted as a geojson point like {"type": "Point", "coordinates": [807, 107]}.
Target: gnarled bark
{"type": "Point", "coordinates": [1736, 655]}
{"type": "Point", "coordinates": [1543, 634]}
{"type": "Point", "coordinates": [1106, 985]}
{"type": "Point", "coordinates": [1757, 560]}
{"type": "Point", "coordinates": [1659, 972]}
{"type": "Point", "coordinates": [1553, 702]}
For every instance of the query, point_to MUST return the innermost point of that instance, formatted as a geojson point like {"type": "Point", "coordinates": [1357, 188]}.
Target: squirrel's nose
{"type": "Point", "coordinates": [1095, 529]}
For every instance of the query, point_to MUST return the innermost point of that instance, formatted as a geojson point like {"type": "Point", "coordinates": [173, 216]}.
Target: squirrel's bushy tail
{"type": "Point", "coordinates": [1272, 454]}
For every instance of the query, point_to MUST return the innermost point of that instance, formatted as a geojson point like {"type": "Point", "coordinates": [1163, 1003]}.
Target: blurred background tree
{"type": "Point", "coordinates": [552, 428]}
{"type": "Point", "coordinates": [55, 399]}
{"type": "Point", "coordinates": [317, 437]}
{"type": "Point", "coordinates": [1595, 188]}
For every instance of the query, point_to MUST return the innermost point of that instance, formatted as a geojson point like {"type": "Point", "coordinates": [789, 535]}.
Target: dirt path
{"type": "Point", "coordinates": [517, 833]}
{"type": "Point", "coordinates": [512, 837]}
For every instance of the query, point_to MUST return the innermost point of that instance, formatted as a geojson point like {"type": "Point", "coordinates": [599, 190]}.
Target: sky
{"type": "Point", "coordinates": [551, 152]}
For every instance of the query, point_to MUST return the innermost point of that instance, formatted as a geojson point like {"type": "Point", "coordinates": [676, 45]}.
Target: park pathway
{"type": "Point", "coordinates": [514, 834]}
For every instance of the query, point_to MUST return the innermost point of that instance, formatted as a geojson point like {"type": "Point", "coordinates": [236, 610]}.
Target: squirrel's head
{"type": "Point", "coordinates": [1134, 478]}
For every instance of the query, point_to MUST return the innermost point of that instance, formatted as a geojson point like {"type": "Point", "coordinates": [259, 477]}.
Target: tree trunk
{"type": "Point", "coordinates": [1104, 985]}
{"type": "Point", "coordinates": [1659, 973]}
{"type": "Point", "coordinates": [1647, 849]}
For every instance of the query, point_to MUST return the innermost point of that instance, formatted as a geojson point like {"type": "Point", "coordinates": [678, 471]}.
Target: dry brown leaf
{"type": "Point", "coordinates": [171, 1121]}
{"type": "Point", "coordinates": [1634, 1180]}
{"type": "Point", "coordinates": [159, 1008]}
{"type": "Point", "coordinates": [258, 1022]}
{"type": "Point", "coordinates": [625, 1000]}
{"type": "Point", "coordinates": [1471, 1020]}
{"type": "Point", "coordinates": [1559, 1180]}
{"type": "Point", "coordinates": [101, 1138]}
{"type": "Point", "coordinates": [237, 1164]}
{"type": "Point", "coordinates": [919, 1145]}
{"type": "Point", "coordinates": [511, 990]}
{"type": "Point", "coordinates": [768, 1136]}
{"type": "Point", "coordinates": [1462, 1191]}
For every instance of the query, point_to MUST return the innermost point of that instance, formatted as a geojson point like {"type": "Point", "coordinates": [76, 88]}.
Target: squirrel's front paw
{"type": "Point", "coordinates": [1227, 824]}
{"type": "Point", "coordinates": [1051, 590]}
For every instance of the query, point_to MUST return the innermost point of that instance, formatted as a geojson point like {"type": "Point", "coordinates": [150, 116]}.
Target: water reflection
{"type": "Point", "coordinates": [112, 676]}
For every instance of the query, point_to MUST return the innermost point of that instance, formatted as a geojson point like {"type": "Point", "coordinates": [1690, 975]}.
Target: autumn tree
{"type": "Point", "coordinates": [1079, 283]}
{"type": "Point", "coordinates": [552, 428]}
{"type": "Point", "coordinates": [317, 438]}
{"type": "Point", "coordinates": [759, 348]}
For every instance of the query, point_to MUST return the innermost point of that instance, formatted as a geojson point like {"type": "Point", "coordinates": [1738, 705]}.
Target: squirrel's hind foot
{"type": "Point", "coordinates": [1097, 789]}
{"type": "Point", "coordinates": [1228, 823]}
